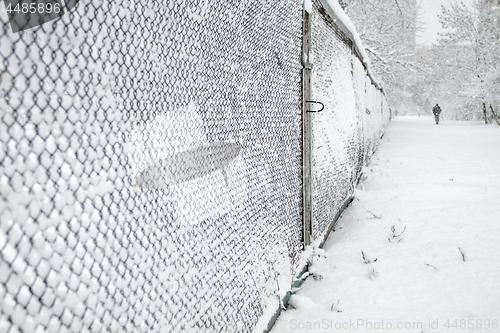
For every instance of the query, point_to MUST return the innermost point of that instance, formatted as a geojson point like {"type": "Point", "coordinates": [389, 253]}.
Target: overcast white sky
{"type": "Point", "coordinates": [430, 17]}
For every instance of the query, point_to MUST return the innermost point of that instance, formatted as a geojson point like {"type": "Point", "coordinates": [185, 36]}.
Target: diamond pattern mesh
{"type": "Point", "coordinates": [150, 163]}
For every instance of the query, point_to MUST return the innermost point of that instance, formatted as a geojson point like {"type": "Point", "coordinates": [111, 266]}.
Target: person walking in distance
{"type": "Point", "coordinates": [436, 110]}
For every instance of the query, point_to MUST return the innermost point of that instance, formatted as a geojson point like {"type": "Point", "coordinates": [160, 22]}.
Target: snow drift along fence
{"type": "Point", "coordinates": [151, 161]}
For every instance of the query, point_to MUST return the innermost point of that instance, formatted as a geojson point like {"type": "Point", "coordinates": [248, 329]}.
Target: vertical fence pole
{"type": "Point", "coordinates": [306, 129]}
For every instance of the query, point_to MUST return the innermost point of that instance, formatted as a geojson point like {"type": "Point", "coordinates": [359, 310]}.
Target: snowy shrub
{"type": "Point", "coordinates": [368, 257]}
{"type": "Point", "coordinates": [396, 236]}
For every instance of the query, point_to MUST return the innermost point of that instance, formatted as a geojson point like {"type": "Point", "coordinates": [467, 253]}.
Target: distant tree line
{"type": "Point", "coordinates": [388, 29]}
{"type": "Point", "coordinates": [461, 72]}
{"type": "Point", "coordinates": [465, 65]}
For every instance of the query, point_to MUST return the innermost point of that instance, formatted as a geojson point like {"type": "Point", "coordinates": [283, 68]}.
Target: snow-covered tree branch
{"type": "Point", "coordinates": [388, 29]}
{"type": "Point", "coordinates": [466, 72]}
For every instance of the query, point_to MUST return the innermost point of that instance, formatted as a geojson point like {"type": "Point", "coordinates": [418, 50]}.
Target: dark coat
{"type": "Point", "coordinates": [436, 110]}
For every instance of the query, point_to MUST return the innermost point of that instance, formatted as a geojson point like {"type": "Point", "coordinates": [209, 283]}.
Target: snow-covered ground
{"type": "Point", "coordinates": [438, 187]}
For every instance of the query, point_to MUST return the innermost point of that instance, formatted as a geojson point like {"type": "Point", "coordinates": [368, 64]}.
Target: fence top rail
{"type": "Point", "coordinates": [335, 11]}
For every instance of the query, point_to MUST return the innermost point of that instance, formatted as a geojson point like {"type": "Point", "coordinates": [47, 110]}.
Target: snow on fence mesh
{"type": "Point", "coordinates": [336, 137]}
{"type": "Point", "coordinates": [347, 131]}
{"type": "Point", "coordinates": [150, 162]}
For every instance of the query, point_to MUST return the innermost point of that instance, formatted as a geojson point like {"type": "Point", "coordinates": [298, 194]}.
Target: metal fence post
{"type": "Point", "coordinates": [306, 129]}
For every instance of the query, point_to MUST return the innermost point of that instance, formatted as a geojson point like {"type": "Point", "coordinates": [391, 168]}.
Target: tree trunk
{"type": "Point", "coordinates": [494, 115]}
{"type": "Point", "coordinates": [484, 114]}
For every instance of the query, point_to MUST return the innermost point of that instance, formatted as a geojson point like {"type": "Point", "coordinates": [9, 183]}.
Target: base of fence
{"type": "Point", "coordinates": [335, 219]}
{"type": "Point", "coordinates": [286, 299]}
{"type": "Point", "coordinates": [299, 279]}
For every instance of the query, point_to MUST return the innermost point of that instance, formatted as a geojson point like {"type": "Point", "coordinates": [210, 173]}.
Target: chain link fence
{"type": "Point", "coordinates": [151, 162]}
{"type": "Point", "coordinates": [347, 131]}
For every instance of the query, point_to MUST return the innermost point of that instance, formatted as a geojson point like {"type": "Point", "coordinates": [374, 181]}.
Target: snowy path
{"type": "Point", "coordinates": [441, 183]}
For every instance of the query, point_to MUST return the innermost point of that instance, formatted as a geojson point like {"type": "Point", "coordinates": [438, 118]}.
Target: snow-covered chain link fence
{"type": "Point", "coordinates": [150, 162]}
{"type": "Point", "coordinates": [346, 133]}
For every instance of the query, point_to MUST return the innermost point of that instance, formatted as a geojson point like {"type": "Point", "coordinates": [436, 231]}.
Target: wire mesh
{"type": "Point", "coordinates": [336, 140]}
{"type": "Point", "coordinates": [150, 174]}
{"type": "Point", "coordinates": [346, 133]}
{"type": "Point", "coordinates": [150, 166]}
